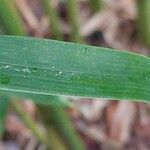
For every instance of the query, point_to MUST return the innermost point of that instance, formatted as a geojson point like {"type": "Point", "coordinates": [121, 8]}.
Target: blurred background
{"type": "Point", "coordinates": [72, 123]}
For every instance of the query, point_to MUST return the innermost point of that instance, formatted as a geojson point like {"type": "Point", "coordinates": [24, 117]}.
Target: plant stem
{"type": "Point", "coordinates": [95, 5]}
{"type": "Point", "coordinates": [63, 125]}
{"type": "Point", "coordinates": [53, 19]}
{"type": "Point", "coordinates": [30, 123]}
{"type": "Point", "coordinates": [144, 21]}
{"type": "Point", "coordinates": [10, 18]}
{"type": "Point", "coordinates": [73, 16]}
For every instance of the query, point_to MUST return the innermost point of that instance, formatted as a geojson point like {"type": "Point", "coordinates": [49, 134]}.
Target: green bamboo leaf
{"type": "Point", "coordinates": [3, 110]}
{"type": "Point", "coordinates": [48, 67]}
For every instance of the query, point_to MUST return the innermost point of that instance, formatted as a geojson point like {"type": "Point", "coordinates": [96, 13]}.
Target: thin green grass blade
{"type": "Point", "coordinates": [53, 18]}
{"type": "Point", "coordinates": [58, 117]}
{"type": "Point", "coordinates": [10, 19]}
{"type": "Point", "coordinates": [25, 117]}
{"type": "Point", "coordinates": [73, 17]}
{"type": "Point", "coordinates": [48, 67]}
{"type": "Point", "coordinates": [144, 21]}
{"type": "Point", "coordinates": [95, 4]}
{"type": "Point", "coordinates": [3, 110]}
{"type": "Point", "coordinates": [2, 29]}
{"type": "Point", "coordinates": [45, 100]}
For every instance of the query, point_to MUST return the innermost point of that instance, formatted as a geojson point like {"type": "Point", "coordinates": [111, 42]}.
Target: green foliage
{"type": "Point", "coordinates": [3, 110]}
{"type": "Point", "coordinates": [30, 123]}
{"type": "Point", "coordinates": [53, 19]}
{"type": "Point", "coordinates": [10, 18]}
{"type": "Point", "coordinates": [1, 29]}
{"type": "Point", "coordinates": [95, 4]}
{"type": "Point", "coordinates": [58, 117]}
{"type": "Point", "coordinates": [40, 69]}
{"type": "Point", "coordinates": [45, 100]}
{"type": "Point", "coordinates": [73, 16]}
{"type": "Point", "coordinates": [144, 21]}
{"type": "Point", "coordinates": [48, 67]}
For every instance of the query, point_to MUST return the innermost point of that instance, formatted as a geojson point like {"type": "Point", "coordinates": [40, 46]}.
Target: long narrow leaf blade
{"type": "Point", "coordinates": [4, 101]}
{"type": "Point", "coordinates": [39, 99]}
{"type": "Point", "coordinates": [10, 18]}
{"type": "Point", "coordinates": [48, 67]}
